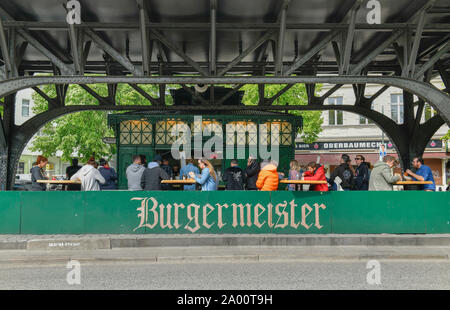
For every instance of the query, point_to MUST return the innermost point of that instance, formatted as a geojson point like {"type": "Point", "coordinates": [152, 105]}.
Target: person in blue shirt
{"type": "Point", "coordinates": [208, 179]}
{"type": "Point", "coordinates": [423, 173]}
{"type": "Point", "coordinates": [184, 172]}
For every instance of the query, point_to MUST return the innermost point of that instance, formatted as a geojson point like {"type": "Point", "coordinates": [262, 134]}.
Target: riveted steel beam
{"type": "Point", "coordinates": [125, 62]}
{"type": "Point", "coordinates": [430, 63]}
{"type": "Point", "coordinates": [438, 99]}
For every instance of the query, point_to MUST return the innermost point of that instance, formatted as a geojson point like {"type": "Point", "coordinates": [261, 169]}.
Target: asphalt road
{"type": "Point", "coordinates": [406, 274]}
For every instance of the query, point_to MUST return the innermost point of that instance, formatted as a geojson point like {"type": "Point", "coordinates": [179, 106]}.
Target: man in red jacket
{"type": "Point", "coordinates": [317, 173]}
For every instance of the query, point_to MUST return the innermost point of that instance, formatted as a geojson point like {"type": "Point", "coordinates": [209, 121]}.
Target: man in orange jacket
{"type": "Point", "coordinates": [317, 173]}
{"type": "Point", "coordinates": [268, 177]}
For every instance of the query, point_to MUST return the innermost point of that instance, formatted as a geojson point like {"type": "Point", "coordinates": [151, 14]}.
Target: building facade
{"type": "Point", "coordinates": [23, 112]}
{"type": "Point", "coordinates": [352, 134]}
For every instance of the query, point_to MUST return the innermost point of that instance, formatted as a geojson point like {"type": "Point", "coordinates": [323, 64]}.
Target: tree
{"type": "Point", "coordinates": [81, 133]}
{"type": "Point", "coordinates": [296, 95]}
{"type": "Point", "coordinates": [446, 137]}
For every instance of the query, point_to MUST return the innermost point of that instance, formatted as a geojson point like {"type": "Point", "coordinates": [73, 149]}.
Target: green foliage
{"type": "Point", "coordinates": [296, 95]}
{"type": "Point", "coordinates": [82, 132]}
{"type": "Point", "coordinates": [446, 137]}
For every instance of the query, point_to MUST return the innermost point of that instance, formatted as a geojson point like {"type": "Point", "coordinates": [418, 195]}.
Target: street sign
{"type": "Point", "coordinates": [109, 140]}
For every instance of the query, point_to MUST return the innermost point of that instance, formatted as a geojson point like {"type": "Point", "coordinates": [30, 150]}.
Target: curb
{"type": "Point", "coordinates": [49, 260]}
{"type": "Point", "coordinates": [124, 241]}
{"type": "Point", "coordinates": [68, 244]}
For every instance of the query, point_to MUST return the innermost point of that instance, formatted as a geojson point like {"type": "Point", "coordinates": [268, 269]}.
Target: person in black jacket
{"type": "Point", "coordinates": [152, 176]}
{"type": "Point", "coordinates": [344, 172]}
{"type": "Point", "coordinates": [234, 177]}
{"type": "Point", "coordinates": [37, 173]}
{"type": "Point", "coordinates": [70, 171]}
{"type": "Point", "coordinates": [362, 174]}
{"type": "Point", "coordinates": [251, 173]}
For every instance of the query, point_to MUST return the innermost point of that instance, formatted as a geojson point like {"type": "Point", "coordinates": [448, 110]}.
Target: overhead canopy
{"type": "Point", "coordinates": [238, 25]}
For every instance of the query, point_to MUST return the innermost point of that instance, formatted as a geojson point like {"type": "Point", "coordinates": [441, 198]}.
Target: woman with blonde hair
{"type": "Point", "coordinates": [294, 174]}
{"type": "Point", "coordinates": [37, 173]}
{"type": "Point", "coordinates": [208, 179]}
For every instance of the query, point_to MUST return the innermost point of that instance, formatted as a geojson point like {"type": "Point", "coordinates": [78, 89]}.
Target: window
{"type": "Point", "coordinates": [135, 132]}
{"type": "Point", "coordinates": [397, 108]}
{"type": "Point", "coordinates": [25, 107]}
{"type": "Point", "coordinates": [335, 117]}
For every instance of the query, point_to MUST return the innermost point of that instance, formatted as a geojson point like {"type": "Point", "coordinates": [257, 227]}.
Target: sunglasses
{"type": "Point", "coordinates": [358, 158]}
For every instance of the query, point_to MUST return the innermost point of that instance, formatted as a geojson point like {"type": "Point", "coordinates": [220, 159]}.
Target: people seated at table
{"type": "Point", "coordinates": [89, 176]}
{"type": "Point", "coordinates": [251, 173]}
{"type": "Point", "coordinates": [381, 177]}
{"type": "Point", "coordinates": [208, 179]}
{"type": "Point", "coordinates": [134, 174]}
{"type": "Point", "coordinates": [109, 174]}
{"type": "Point", "coordinates": [234, 177]}
{"type": "Point", "coordinates": [37, 173]}
{"type": "Point", "coordinates": [153, 174]}
{"type": "Point", "coordinates": [423, 173]}
{"type": "Point", "coordinates": [315, 172]}
{"type": "Point", "coordinates": [184, 173]}
{"type": "Point", "coordinates": [294, 174]}
{"type": "Point", "coordinates": [362, 174]}
{"type": "Point", "coordinates": [70, 171]}
{"type": "Point", "coordinates": [345, 174]}
{"type": "Point", "coordinates": [268, 177]}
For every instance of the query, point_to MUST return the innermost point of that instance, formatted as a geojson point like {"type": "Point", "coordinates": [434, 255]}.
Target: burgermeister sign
{"type": "Point", "coordinates": [229, 217]}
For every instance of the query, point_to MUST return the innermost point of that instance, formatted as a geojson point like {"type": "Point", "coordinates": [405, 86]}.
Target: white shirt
{"type": "Point", "coordinates": [90, 178]}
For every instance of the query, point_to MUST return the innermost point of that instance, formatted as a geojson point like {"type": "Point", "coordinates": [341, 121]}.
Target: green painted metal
{"type": "Point", "coordinates": [125, 151]}
{"type": "Point", "coordinates": [10, 213]}
{"type": "Point", "coordinates": [224, 212]}
{"type": "Point", "coordinates": [52, 212]}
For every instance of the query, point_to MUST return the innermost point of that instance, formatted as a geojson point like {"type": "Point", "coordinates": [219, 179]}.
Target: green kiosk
{"type": "Point", "coordinates": [245, 131]}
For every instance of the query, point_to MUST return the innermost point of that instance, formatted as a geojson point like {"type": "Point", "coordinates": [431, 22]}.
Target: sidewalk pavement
{"type": "Point", "coordinates": [48, 249]}
{"type": "Point", "coordinates": [111, 241]}
{"type": "Point", "coordinates": [208, 254]}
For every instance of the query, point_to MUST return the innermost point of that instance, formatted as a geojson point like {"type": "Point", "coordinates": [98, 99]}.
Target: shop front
{"type": "Point", "coordinates": [329, 153]}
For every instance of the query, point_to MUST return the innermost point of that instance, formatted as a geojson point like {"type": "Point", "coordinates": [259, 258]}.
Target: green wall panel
{"type": "Point", "coordinates": [52, 212]}
{"type": "Point", "coordinates": [378, 212]}
{"type": "Point", "coordinates": [111, 212]}
{"type": "Point", "coordinates": [125, 212]}
{"type": "Point", "coordinates": [10, 213]}
{"type": "Point", "coordinates": [437, 213]}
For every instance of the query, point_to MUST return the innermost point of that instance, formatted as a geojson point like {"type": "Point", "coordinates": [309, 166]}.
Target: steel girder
{"type": "Point", "coordinates": [439, 100]}
{"type": "Point", "coordinates": [407, 143]}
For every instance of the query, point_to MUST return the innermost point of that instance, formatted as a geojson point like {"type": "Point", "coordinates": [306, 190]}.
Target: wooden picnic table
{"type": "Point", "coordinates": [188, 181]}
{"type": "Point", "coordinates": [58, 182]}
{"type": "Point", "coordinates": [413, 182]}
{"type": "Point", "coordinates": [303, 182]}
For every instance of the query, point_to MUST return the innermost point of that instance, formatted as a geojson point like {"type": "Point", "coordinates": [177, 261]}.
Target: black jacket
{"type": "Point", "coordinates": [251, 173]}
{"type": "Point", "coordinates": [361, 180]}
{"type": "Point", "coordinates": [70, 171]}
{"type": "Point", "coordinates": [37, 174]}
{"type": "Point", "coordinates": [151, 178]}
{"type": "Point", "coordinates": [234, 177]}
{"type": "Point", "coordinates": [346, 175]}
